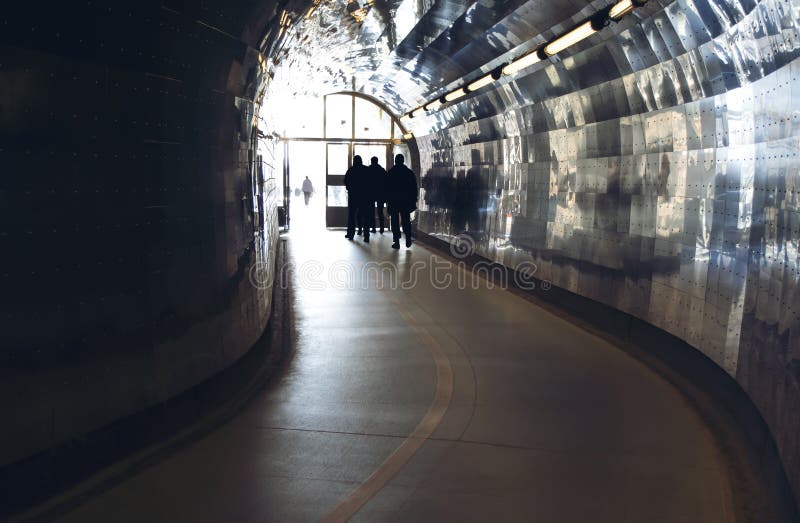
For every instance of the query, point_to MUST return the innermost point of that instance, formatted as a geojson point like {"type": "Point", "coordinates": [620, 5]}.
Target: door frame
{"type": "Point", "coordinates": [335, 217]}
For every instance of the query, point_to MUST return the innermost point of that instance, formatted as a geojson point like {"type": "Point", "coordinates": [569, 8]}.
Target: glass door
{"type": "Point", "coordinates": [307, 171]}
{"type": "Point", "coordinates": [337, 161]}
{"type": "Point", "coordinates": [367, 151]}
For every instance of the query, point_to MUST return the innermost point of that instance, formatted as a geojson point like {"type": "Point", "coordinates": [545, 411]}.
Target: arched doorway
{"type": "Point", "coordinates": [321, 136]}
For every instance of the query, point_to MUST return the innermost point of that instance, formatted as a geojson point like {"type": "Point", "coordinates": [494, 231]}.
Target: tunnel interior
{"type": "Point", "coordinates": [651, 167]}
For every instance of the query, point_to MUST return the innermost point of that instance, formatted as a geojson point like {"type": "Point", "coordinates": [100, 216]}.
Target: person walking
{"type": "Point", "coordinates": [356, 182]}
{"type": "Point", "coordinates": [379, 182]}
{"type": "Point", "coordinates": [366, 205]}
{"type": "Point", "coordinates": [308, 189]}
{"type": "Point", "coordinates": [403, 194]}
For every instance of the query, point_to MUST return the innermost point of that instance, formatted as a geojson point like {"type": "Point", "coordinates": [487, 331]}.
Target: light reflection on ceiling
{"type": "Point", "coordinates": [407, 52]}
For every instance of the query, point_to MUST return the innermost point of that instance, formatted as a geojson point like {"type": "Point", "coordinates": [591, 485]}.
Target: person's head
{"type": "Point", "coordinates": [374, 160]}
{"type": "Point", "coordinates": [399, 159]}
{"type": "Point", "coordinates": [306, 177]}
{"type": "Point", "coordinates": [357, 160]}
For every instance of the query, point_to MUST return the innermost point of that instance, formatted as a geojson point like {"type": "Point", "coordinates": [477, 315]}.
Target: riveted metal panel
{"type": "Point", "coordinates": [666, 185]}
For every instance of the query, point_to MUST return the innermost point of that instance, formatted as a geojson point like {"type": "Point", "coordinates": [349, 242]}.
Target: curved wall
{"type": "Point", "coordinates": [135, 213]}
{"type": "Point", "coordinates": [655, 169]}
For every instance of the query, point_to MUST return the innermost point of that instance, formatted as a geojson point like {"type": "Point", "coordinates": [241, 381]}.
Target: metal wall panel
{"type": "Point", "coordinates": [652, 167]}
{"type": "Point", "coordinates": [668, 186]}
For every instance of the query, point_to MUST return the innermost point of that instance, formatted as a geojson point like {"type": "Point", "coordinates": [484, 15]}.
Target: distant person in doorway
{"type": "Point", "coordinates": [308, 189]}
{"type": "Point", "coordinates": [403, 196]}
{"type": "Point", "coordinates": [356, 180]}
{"type": "Point", "coordinates": [379, 182]}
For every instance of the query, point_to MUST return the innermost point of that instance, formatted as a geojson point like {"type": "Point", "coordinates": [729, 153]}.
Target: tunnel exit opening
{"type": "Point", "coordinates": [320, 136]}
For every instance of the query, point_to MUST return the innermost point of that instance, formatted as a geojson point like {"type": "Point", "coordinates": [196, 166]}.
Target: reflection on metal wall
{"type": "Point", "coordinates": [658, 173]}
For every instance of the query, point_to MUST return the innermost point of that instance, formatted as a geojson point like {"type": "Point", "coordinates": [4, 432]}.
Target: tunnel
{"type": "Point", "coordinates": [595, 315]}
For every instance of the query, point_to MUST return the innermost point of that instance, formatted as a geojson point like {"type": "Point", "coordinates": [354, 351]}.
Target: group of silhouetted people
{"type": "Point", "coordinates": [370, 187]}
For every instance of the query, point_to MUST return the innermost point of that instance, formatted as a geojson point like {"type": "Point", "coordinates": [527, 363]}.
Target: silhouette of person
{"type": "Point", "coordinates": [378, 180]}
{"type": "Point", "coordinates": [460, 201]}
{"type": "Point", "coordinates": [402, 199]}
{"type": "Point", "coordinates": [366, 203]}
{"type": "Point", "coordinates": [477, 193]}
{"type": "Point", "coordinates": [357, 183]}
{"type": "Point", "coordinates": [308, 188]}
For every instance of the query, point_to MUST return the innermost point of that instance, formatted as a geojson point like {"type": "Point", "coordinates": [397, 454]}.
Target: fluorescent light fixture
{"type": "Point", "coordinates": [360, 14]}
{"type": "Point", "coordinates": [455, 95]}
{"type": "Point", "coordinates": [419, 111]}
{"type": "Point", "coordinates": [409, 135]}
{"type": "Point", "coordinates": [583, 31]}
{"type": "Point", "coordinates": [521, 63]}
{"type": "Point", "coordinates": [480, 82]}
{"type": "Point", "coordinates": [405, 118]}
{"type": "Point", "coordinates": [621, 9]}
{"type": "Point", "coordinates": [432, 106]}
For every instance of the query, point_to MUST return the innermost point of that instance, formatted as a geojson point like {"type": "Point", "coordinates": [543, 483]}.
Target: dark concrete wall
{"type": "Point", "coordinates": [654, 169]}
{"type": "Point", "coordinates": [135, 220]}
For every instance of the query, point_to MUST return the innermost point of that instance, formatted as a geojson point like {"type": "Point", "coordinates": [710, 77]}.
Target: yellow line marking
{"type": "Point", "coordinates": [427, 425]}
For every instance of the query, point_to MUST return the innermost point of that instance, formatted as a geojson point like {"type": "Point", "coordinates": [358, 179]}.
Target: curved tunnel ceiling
{"type": "Point", "coordinates": [407, 52]}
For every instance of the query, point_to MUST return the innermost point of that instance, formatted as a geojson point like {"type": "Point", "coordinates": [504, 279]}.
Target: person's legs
{"type": "Point", "coordinates": [366, 221]}
{"type": "Point", "coordinates": [395, 221]}
{"type": "Point", "coordinates": [407, 227]}
{"type": "Point", "coordinates": [306, 195]}
{"type": "Point", "coordinates": [352, 215]}
{"type": "Point", "coordinates": [381, 217]}
{"type": "Point", "coordinates": [371, 215]}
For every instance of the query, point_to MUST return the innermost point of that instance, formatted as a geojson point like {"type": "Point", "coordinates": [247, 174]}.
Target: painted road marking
{"type": "Point", "coordinates": [433, 417]}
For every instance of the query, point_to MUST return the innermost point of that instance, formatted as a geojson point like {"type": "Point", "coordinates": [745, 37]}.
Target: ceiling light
{"type": "Point", "coordinates": [409, 135]}
{"type": "Point", "coordinates": [521, 63]}
{"type": "Point", "coordinates": [583, 31]}
{"type": "Point", "coordinates": [455, 95]}
{"type": "Point", "coordinates": [360, 15]}
{"type": "Point", "coordinates": [419, 111]}
{"type": "Point", "coordinates": [621, 9]}
{"type": "Point", "coordinates": [480, 82]}
{"type": "Point", "coordinates": [434, 105]}
{"type": "Point", "coordinates": [405, 117]}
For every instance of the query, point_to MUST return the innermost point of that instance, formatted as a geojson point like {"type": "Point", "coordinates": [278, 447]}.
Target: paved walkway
{"type": "Point", "coordinates": [436, 403]}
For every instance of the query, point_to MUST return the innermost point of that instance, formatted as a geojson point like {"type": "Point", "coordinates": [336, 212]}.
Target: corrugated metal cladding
{"type": "Point", "coordinates": [653, 167]}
